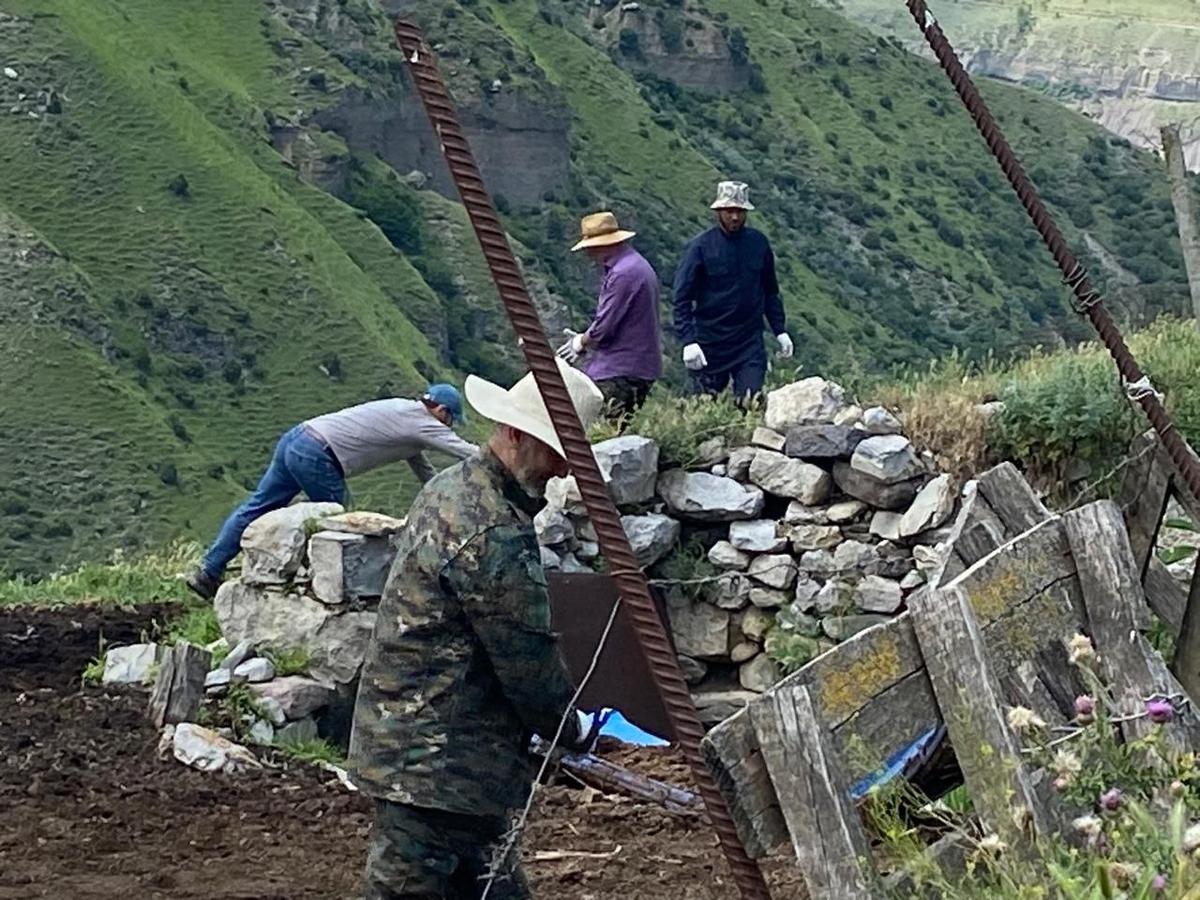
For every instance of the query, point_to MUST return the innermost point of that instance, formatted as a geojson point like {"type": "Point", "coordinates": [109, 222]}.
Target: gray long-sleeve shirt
{"type": "Point", "coordinates": [373, 434]}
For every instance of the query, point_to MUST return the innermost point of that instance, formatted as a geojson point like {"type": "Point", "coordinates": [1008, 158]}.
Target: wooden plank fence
{"type": "Point", "coordinates": [989, 632]}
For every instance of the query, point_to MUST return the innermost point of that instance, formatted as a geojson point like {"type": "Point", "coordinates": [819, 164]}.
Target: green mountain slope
{"type": "Point", "coordinates": [217, 219]}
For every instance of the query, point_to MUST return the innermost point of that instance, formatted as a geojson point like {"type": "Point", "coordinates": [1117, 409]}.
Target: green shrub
{"type": "Point", "coordinates": [681, 424]}
{"type": "Point", "coordinates": [197, 625]}
{"type": "Point", "coordinates": [153, 577]}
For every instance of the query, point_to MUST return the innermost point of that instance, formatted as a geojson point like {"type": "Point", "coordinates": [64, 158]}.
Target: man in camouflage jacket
{"type": "Point", "coordinates": [463, 666]}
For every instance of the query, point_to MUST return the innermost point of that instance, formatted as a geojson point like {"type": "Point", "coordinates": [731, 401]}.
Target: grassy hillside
{"type": "Point", "coordinates": [178, 283]}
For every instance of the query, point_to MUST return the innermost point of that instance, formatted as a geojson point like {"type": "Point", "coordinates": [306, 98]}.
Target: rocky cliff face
{"type": "Point", "coordinates": [1130, 69]}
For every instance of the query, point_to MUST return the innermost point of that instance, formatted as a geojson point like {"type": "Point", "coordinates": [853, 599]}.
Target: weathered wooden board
{"type": "Point", "coordinates": [731, 751]}
{"type": "Point", "coordinates": [1013, 500]}
{"type": "Point", "coordinates": [998, 779]}
{"type": "Point", "coordinates": [179, 687]}
{"type": "Point", "coordinates": [1112, 593]}
{"type": "Point", "coordinates": [1145, 489]}
{"type": "Point", "coordinates": [826, 832]}
{"type": "Point", "coordinates": [1166, 597]}
{"type": "Point", "coordinates": [873, 692]}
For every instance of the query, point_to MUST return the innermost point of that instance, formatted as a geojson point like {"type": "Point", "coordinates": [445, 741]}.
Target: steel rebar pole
{"type": "Point", "coordinates": [631, 582]}
{"type": "Point", "coordinates": [1088, 300]}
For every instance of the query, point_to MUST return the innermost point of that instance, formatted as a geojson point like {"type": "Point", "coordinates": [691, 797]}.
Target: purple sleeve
{"type": "Point", "coordinates": [615, 301]}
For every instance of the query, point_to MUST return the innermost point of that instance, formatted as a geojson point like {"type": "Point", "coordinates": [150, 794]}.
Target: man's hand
{"type": "Point", "coordinates": [589, 729]}
{"type": "Point", "coordinates": [573, 348]}
{"type": "Point", "coordinates": [693, 357]}
{"type": "Point", "coordinates": [786, 348]}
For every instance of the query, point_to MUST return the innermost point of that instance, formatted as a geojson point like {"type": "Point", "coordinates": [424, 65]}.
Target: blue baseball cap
{"type": "Point", "coordinates": [446, 395]}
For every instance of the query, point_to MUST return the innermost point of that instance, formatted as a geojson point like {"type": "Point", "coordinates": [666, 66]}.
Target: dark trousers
{"type": "Point", "coordinates": [623, 396]}
{"type": "Point", "coordinates": [747, 377]}
{"type": "Point", "coordinates": [430, 854]}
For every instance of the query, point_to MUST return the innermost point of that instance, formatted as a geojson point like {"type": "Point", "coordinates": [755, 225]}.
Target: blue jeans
{"type": "Point", "coordinates": [747, 376]}
{"type": "Point", "coordinates": [299, 463]}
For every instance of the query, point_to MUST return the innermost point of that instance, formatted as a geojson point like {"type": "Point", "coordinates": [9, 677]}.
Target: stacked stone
{"type": "Point", "coordinates": [821, 527]}
{"type": "Point", "coordinates": [312, 576]}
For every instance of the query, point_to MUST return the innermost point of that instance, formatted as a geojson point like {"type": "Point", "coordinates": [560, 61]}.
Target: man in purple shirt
{"type": "Point", "coordinates": [621, 349]}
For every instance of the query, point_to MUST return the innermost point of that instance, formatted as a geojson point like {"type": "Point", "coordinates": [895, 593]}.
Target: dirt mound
{"type": "Point", "coordinates": [91, 810]}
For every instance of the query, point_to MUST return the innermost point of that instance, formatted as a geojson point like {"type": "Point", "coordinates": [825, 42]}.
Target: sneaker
{"type": "Point", "coordinates": [203, 584]}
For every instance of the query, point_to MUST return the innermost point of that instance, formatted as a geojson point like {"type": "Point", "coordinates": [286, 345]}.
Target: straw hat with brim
{"type": "Point", "coordinates": [601, 230]}
{"type": "Point", "coordinates": [521, 406]}
{"type": "Point", "coordinates": [732, 195]}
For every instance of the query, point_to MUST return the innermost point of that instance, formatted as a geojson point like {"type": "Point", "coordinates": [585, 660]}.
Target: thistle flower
{"type": "Point", "coordinates": [1067, 764]}
{"type": "Point", "coordinates": [1022, 719]}
{"type": "Point", "coordinates": [1191, 838]}
{"type": "Point", "coordinates": [1111, 800]}
{"type": "Point", "coordinates": [1158, 883]}
{"type": "Point", "coordinates": [992, 844]}
{"type": "Point", "coordinates": [1177, 788]}
{"type": "Point", "coordinates": [1061, 783]}
{"type": "Point", "coordinates": [1085, 707]}
{"type": "Point", "coordinates": [1090, 826]}
{"type": "Point", "coordinates": [1080, 649]}
{"type": "Point", "coordinates": [1123, 873]}
{"type": "Point", "coordinates": [1160, 710]}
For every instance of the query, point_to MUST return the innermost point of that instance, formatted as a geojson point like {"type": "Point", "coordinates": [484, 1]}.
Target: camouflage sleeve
{"type": "Point", "coordinates": [501, 586]}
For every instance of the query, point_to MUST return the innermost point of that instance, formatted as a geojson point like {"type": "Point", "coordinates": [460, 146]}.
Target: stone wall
{"type": "Point", "coordinates": [822, 526]}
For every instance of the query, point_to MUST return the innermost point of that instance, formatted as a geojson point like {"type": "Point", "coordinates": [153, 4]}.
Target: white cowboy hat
{"type": "Point", "coordinates": [522, 408]}
{"type": "Point", "coordinates": [600, 230]}
{"type": "Point", "coordinates": [732, 195]}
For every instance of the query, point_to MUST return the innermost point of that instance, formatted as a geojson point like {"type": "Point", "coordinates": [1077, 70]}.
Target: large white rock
{"type": "Point", "coordinates": [651, 536]}
{"type": "Point", "coordinates": [724, 555]}
{"type": "Point", "coordinates": [130, 665]}
{"type": "Point", "coordinates": [757, 536]}
{"type": "Point", "coordinates": [241, 652]}
{"type": "Point", "coordinates": [346, 566]}
{"type": "Point", "coordinates": [740, 459]}
{"type": "Point", "coordinates": [785, 477]}
{"type": "Point", "coordinates": [846, 511]}
{"type": "Point", "coordinates": [552, 527]}
{"type": "Point", "coordinates": [769, 439]}
{"type": "Point", "coordinates": [708, 498]}
{"type": "Point", "coordinates": [878, 420]}
{"type": "Point", "coordinates": [854, 555]}
{"type": "Point", "coordinates": [769, 598]}
{"type": "Point", "coordinates": [700, 629]}
{"type": "Point", "coordinates": [798, 513]}
{"type": "Point", "coordinates": [369, 524]}
{"type": "Point", "coordinates": [273, 544]}
{"type": "Point", "coordinates": [253, 670]}
{"type": "Point", "coordinates": [744, 651]}
{"type": "Point", "coordinates": [756, 623]}
{"type": "Point", "coordinates": [293, 695]}
{"type": "Point", "coordinates": [835, 596]}
{"type": "Point", "coordinates": [886, 524]}
{"type": "Point", "coordinates": [562, 494]}
{"type": "Point", "coordinates": [888, 458]}
{"type": "Point", "coordinates": [931, 508]}
{"type": "Point", "coordinates": [871, 490]}
{"type": "Point", "coordinates": [811, 401]}
{"type": "Point", "coordinates": [777, 570]}
{"type": "Point", "coordinates": [207, 751]}
{"type": "Point", "coordinates": [819, 563]}
{"type": "Point", "coordinates": [759, 674]}
{"type": "Point", "coordinates": [806, 591]}
{"type": "Point", "coordinates": [630, 466]}
{"type": "Point", "coordinates": [878, 595]}
{"type": "Point", "coordinates": [336, 641]}
{"type": "Point", "coordinates": [731, 591]}
{"type": "Point", "coordinates": [815, 537]}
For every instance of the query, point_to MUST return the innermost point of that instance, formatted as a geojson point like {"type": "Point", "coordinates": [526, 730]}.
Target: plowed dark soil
{"type": "Point", "coordinates": [88, 808]}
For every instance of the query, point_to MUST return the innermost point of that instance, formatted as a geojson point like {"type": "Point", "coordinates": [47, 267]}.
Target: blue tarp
{"type": "Point", "coordinates": [622, 729]}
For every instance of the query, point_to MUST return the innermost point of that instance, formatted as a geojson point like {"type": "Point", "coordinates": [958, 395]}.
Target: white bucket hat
{"type": "Point", "coordinates": [733, 195]}
{"type": "Point", "coordinates": [521, 406]}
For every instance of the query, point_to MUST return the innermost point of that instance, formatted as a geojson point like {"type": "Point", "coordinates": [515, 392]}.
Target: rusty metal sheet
{"type": "Point", "coordinates": [579, 608]}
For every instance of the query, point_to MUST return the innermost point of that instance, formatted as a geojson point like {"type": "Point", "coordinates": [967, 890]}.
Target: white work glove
{"type": "Point", "coordinates": [693, 357]}
{"type": "Point", "coordinates": [786, 347]}
{"type": "Point", "coordinates": [573, 348]}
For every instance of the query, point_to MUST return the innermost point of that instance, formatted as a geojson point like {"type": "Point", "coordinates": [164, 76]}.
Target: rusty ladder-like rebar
{"type": "Point", "coordinates": [634, 590]}
{"type": "Point", "coordinates": [1088, 300]}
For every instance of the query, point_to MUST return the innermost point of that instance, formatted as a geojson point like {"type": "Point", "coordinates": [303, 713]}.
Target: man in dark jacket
{"type": "Point", "coordinates": [724, 288]}
{"type": "Point", "coordinates": [463, 666]}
